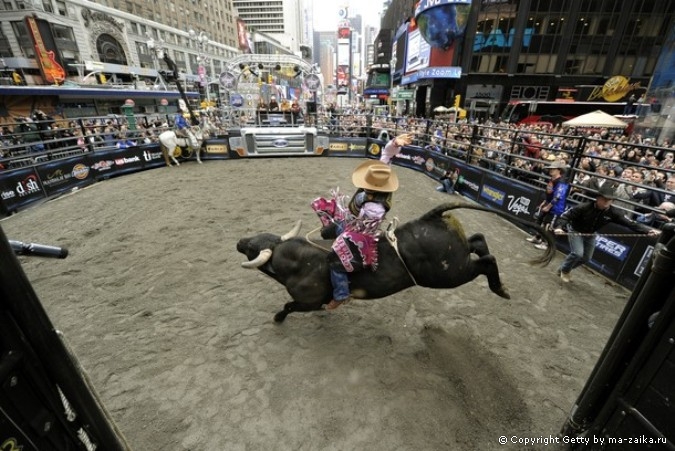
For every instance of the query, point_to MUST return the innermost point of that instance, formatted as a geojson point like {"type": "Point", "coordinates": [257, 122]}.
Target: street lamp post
{"type": "Point", "coordinates": [157, 48]}
{"type": "Point", "coordinates": [202, 59]}
{"type": "Point", "coordinates": [392, 102]}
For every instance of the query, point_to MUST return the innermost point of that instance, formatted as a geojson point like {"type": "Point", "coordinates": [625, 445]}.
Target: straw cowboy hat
{"type": "Point", "coordinates": [375, 176]}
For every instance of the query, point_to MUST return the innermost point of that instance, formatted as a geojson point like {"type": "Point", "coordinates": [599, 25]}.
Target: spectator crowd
{"type": "Point", "coordinates": [641, 172]}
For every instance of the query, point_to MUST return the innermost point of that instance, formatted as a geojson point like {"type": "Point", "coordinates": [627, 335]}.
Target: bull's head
{"type": "Point", "coordinates": [258, 249]}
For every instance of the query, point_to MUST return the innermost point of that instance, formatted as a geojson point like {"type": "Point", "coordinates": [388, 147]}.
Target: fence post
{"type": "Point", "coordinates": [474, 141]}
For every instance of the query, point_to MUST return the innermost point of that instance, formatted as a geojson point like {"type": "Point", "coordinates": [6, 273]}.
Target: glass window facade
{"type": "Point", "coordinates": [570, 37]}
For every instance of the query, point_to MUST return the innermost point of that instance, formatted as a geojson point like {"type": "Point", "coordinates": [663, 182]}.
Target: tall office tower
{"type": "Point", "coordinates": [325, 45]}
{"type": "Point", "coordinates": [280, 19]}
{"type": "Point", "coordinates": [216, 18]}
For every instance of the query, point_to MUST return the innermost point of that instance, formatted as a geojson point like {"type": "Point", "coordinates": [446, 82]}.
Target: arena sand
{"type": "Point", "coordinates": [180, 343]}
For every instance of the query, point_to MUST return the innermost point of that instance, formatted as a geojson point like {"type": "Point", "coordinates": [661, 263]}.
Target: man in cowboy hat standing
{"type": "Point", "coordinates": [554, 204]}
{"type": "Point", "coordinates": [355, 248]}
{"type": "Point", "coordinates": [584, 220]}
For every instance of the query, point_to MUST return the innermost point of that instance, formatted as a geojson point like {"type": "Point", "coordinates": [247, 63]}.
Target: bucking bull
{"type": "Point", "coordinates": [434, 252]}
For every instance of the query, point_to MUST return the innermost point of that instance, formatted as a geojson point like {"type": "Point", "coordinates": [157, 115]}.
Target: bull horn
{"type": "Point", "coordinates": [260, 260]}
{"type": "Point", "coordinates": [293, 232]}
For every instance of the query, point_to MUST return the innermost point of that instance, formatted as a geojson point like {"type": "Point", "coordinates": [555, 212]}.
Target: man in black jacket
{"type": "Point", "coordinates": [581, 223]}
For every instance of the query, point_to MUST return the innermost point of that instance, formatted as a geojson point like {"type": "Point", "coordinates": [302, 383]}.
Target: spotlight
{"type": "Point", "coordinates": [242, 66]}
{"type": "Point", "coordinates": [277, 67]}
{"type": "Point", "coordinates": [297, 71]}
{"type": "Point", "coordinates": [260, 66]}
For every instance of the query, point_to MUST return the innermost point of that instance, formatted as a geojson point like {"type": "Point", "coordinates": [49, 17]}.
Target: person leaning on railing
{"type": "Point", "coordinates": [582, 222]}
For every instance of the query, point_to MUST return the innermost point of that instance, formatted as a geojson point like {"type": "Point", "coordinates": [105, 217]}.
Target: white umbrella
{"type": "Point", "coordinates": [440, 109]}
{"type": "Point", "coordinates": [597, 118]}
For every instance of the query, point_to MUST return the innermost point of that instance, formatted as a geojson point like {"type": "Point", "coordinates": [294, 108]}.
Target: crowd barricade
{"type": "Point", "coordinates": [620, 254]}
{"type": "Point", "coordinates": [490, 167]}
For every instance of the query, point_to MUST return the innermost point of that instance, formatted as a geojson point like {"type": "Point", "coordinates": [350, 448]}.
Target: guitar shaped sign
{"type": "Point", "coordinates": [51, 70]}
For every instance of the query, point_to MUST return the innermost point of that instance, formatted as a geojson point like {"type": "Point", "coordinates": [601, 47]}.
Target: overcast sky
{"type": "Point", "coordinates": [326, 12]}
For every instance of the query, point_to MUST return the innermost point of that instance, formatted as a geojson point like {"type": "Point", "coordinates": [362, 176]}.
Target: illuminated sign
{"type": "Point", "coordinates": [417, 52]}
{"type": "Point", "coordinates": [614, 89]}
{"type": "Point", "coordinates": [441, 72]}
{"type": "Point", "coordinates": [496, 38]}
{"type": "Point", "coordinates": [50, 68]}
{"type": "Point", "coordinates": [428, 4]}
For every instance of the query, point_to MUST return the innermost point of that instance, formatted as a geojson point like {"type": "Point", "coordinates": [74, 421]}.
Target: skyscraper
{"type": "Point", "coordinates": [282, 20]}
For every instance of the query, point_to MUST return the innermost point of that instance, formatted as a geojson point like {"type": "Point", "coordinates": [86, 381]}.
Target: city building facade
{"type": "Point", "coordinates": [116, 38]}
{"type": "Point", "coordinates": [283, 20]}
{"type": "Point", "coordinates": [532, 50]}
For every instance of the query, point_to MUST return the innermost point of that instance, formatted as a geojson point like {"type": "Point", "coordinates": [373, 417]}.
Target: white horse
{"type": "Point", "coordinates": [169, 141]}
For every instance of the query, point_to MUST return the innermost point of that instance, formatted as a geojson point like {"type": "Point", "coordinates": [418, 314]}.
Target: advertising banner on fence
{"type": "Point", "coordinates": [117, 161]}
{"type": "Point", "coordinates": [502, 193]}
{"type": "Point", "coordinates": [216, 149]}
{"type": "Point", "coordinates": [20, 187]}
{"type": "Point", "coordinates": [618, 254]}
{"type": "Point", "coordinates": [636, 262]}
{"type": "Point", "coordinates": [347, 147]}
{"type": "Point", "coordinates": [469, 180]}
{"type": "Point", "coordinates": [152, 157]}
{"type": "Point", "coordinates": [63, 175]}
{"type": "Point", "coordinates": [375, 147]}
{"type": "Point", "coordinates": [412, 158]}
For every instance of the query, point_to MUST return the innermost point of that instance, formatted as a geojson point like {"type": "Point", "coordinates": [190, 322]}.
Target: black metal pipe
{"type": "Point", "coordinates": [172, 65]}
{"type": "Point", "coordinates": [647, 297]}
{"type": "Point", "coordinates": [616, 399]}
{"type": "Point", "coordinates": [19, 300]}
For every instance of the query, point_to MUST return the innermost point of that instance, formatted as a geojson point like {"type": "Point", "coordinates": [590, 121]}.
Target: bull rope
{"type": "Point", "coordinates": [309, 240]}
{"type": "Point", "coordinates": [389, 234]}
{"type": "Point", "coordinates": [393, 241]}
{"type": "Point", "coordinates": [601, 234]}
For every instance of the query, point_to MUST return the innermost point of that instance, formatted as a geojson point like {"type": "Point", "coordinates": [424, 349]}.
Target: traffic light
{"type": "Point", "coordinates": [458, 100]}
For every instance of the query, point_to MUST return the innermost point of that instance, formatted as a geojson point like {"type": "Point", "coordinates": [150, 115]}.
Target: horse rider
{"type": "Point", "coordinates": [181, 125]}
{"type": "Point", "coordinates": [355, 248]}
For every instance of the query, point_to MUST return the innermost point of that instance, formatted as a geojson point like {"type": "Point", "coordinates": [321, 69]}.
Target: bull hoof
{"type": "Point", "coordinates": [280, 317]}
{"type": "Point", "coordinates": [502, 293]}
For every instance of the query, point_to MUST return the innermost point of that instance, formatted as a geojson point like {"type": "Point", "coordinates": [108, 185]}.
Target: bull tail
{"type": "Point", "coordinates": [544, 260]}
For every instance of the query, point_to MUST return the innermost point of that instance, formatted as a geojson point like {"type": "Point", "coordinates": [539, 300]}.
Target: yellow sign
{"type": "Point", "coordinates": [614, 89]}
{"type": "Point", "coordinates": [374, 149]}
{"type": "Point", "coordinates": [216, 148]}
{"type": "Point", "coordinates": [339, 146]}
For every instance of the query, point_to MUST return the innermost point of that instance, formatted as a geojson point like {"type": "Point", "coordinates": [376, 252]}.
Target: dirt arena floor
{"type": "Point", "coordinates": [180, 342]}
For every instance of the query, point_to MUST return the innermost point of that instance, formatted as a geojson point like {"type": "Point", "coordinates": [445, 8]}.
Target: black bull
{"type": "Point", "coordinates": [434, 249]}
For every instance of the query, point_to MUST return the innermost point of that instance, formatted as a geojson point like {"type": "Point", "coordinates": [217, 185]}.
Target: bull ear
{"type": "Point", "coordinates": [262, 258]}
{"type": "Point", "coordinates": [293, 232]}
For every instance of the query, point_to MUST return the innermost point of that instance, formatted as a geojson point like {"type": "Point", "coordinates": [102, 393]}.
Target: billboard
{"type": "Point", "coordinates": [419, 51]}
{"type": "Point", "coordinates": [343, 71]}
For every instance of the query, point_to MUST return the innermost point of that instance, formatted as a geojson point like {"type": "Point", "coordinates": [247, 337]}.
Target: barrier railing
{"type": "Point", "coordinates": [493, 170]}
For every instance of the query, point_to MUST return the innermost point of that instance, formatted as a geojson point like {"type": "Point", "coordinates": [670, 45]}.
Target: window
{"type": "Point", "coordinates": [109, 50]}
{"type": "Point", "coordinates": [61, 8]}
{"type": "Point", "coordinates": [607, 25]}
{"type": "Point", "coordinates": [24, 38]}
{"type": "Point", "coordinates": [583, 27]}
{"type": "Point", "coordinates": [61, 32]}
{"type": "Point", "coordinates": [47, 6]}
